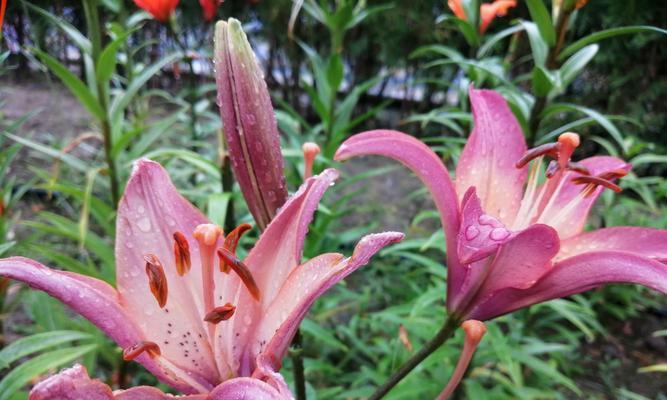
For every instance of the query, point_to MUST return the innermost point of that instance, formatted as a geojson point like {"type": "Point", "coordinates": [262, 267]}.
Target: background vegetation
{"type": "Point", "coordinates": [85, 90]}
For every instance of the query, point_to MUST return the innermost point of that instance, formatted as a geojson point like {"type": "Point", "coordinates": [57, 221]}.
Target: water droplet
{"type": "Point", "coordinates": [144, 224]}
{"type": "Point", "coordinates": [141, 209]}
{"type": "Point", "coordinates": [471, 232]}
{"type": "Point", "coordinates": [499, 234]}
{"type": "Point", "coordinates": [247, 320]}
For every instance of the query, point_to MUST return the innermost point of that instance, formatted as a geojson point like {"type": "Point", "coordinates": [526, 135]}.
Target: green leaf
{"type": "Point", "coordinates": [576, 63]}
{"type": "Point", "coordinates": [538, 46]}
{"type": "Point", "coordinates": [217, 207]}
{"type": "Point", "coordinates": [35, 343]}
{"type": "Point", "coordinates": [540, 15]}
{"type": "Point", "coordinates": [543, 81]}
{"type": "Point", "coordinates": [654, 368]}
{"type": "Point", "coordinates": [25, 372]}
{"type": "Point", "coordinates": [107, 61]}
{"type": "Point", "coordinates": [608, 33]}
{"type": "Point", "coordinates": [335, 71]}
{"type": "Point", "coordinates": [599, 118]}
{"type": "Point", "coordinates": [468, 30]}
{"type": "Point", "coordinates": [121, 101]}
{"type": "Point", "coordinates": [57, 154]}
{"type": "Point", "coordinates": [492, 40]}
{"type": "Point", "coordinates": [77, 37]}
{"type": "Point", "coordinates": [321, 334]}
{"type": "Point", "coordinates": [74, 84]}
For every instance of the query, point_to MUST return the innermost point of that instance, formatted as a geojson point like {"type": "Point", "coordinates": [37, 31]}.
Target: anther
{"type": "Point", "coordinates": [207, 234]}
{"type": "Point", "coordinates": [222, 313]}
{"type": "Point", "coordinates": [578, 167]}
{"type": "Point", "coordinates": [310, 151]}
{"type": "Point", "coordinates": [593, 182]}
{"type": "Point", "coordinates": [241, 270]}
{"type": "Point", "coordinates": [181, 253]}
{"type": "Point", "coordinates": [232, 242]}
{"type": "Point", "coordinates": [550, 149]}
{"type": "Point", "coordinates": [134, 351]}
{"type": "Point", "coordinates": [157, 280]}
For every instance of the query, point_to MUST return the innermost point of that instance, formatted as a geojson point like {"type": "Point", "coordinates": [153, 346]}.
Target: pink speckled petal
{"type": "Point", "coordinates": [646, 242]}
{"type": "Point", "coordinates": [488, 158]}
{"type": "Point", "coordinates": [419, 158]}
{"type": "Point", "coordinates": [248, 389]}
{"type": "Point", "coordinates": [570, 220]}
{"type": "Point", "coordinates": [151, 393]}
{"type": "Point", "coordinates": [149, 214]}
{"type": "Point", "coordinates": [575, 275]}
{"type": "Point", "coordinates": [95, 300]}
{"type": "Point", "coordinates": [304, 285]}
{"type": "Point", "coordinates": [71, 384]}
{"type": "Point", "coordinates": [275, 255]}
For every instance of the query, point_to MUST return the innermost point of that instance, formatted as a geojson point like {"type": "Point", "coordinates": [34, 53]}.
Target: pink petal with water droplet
{"type": "Point", "coordinates": [488, 158]}
{"type": "Point", "coordinates": [308, 282]}
{"type": "Point", "coordinates": [645, 242]}
{"type": "Point", "coordinates": [575, 275]}
{"type": "Point", "coordinates": [71, 384]}
{"type": "Point", "coordinates": [419, 158]}
{"type": "Point", "coordinates": [149, 213]}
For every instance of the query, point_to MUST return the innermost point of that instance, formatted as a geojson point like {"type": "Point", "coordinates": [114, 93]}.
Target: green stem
{"type": "Point", "coordinates": [93, 22]}
{"type": "Point", "coordinates": [552, 63]}
{"type": "Point", "coordinates": [297, 361]}
{"type": "Point", "coordinates": [445, 333]}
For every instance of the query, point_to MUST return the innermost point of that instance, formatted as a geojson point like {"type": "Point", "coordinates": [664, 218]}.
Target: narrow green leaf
{"type": "Point", "coordinates": [25, 372]}
{"type": "Point", "coordinates": [107, 61]}
{"type": "Point", "coordinates": [74, 84]}
{"type": "Point", "coordinates": [538, 46]}
{"type": "Point", "coordinates": [540, 15]}
{"type": "Point", "coordinates": [608, 33]}
{"type": "Point", "coordinates": [543, 82]}
{"type": "Point", "coordinates": [35, 343]}
{"type": "Point", "coordinates": [576, 63]}
{"type": "Point", "coordinates": [77, 37]}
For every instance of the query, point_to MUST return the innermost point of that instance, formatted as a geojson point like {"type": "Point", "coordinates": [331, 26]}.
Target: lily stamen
{"type": "Point", "coordinates": [222, 313]}
{"type": "Point", "coordinates": [241, 270]}
{"type": "Point", "coordinates": [232, 242]}
{"type": "Point", "coordinates": [134, 351]}
{"type": "Point", "coordinates": [593, 182]}
{"type": "Point", "coordinates": [181, 253]}
{"type": "Point", "coordinates": [157, 280]}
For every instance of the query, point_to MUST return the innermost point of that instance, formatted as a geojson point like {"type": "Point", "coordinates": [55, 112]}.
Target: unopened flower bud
{"type": "Point", "coordinates": [249, 123]}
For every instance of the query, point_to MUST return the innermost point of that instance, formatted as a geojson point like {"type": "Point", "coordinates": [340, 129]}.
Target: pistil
{"type": "Point", "coordinates": [207, 235]}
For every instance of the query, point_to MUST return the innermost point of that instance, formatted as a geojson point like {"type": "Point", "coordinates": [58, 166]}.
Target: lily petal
{"type": "Point", "coordinates": [488, 158]}
{"type": "Point", "coordinates": [71, 384]}
{"type": "Point", "coordinates": [93, 299]}
{"type": "Point", "coordinates": [305, 284]}
{"type": "Point", "coordinates": [149, 214]}
{"type": "Point", "coordinates": [419, 158]}
{"type": "Point", "coordinates": [646, 242]}
{"type": "Point", "coordinates": [246, 389]}
{"type": "Point", "coordinates": [275, 255]}
{"type": "Point", "coordinates": [575, 275]}
{"type": "Point", "coordinates": [567, 209]}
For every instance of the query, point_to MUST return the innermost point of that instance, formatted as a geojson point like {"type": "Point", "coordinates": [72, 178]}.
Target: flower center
{"type": "Point", "coordinates": [546, 202]}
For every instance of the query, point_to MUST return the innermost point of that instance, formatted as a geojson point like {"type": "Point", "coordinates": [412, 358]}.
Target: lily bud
{"type": "Point", "coordinates": [249, 123]}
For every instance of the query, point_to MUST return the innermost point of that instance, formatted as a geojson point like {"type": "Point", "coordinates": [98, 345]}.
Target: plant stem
{"type": "Point", "coordinates": [297, 361]}
{"type": "Point", "coordinates": [552, 63]}
{"type": "Point", "coordinates": [446, 332]}
{"type": "Point", "coordinates": [93, 22]}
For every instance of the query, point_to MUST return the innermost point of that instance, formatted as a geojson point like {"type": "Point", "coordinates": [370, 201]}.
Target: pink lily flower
{"type": "Point", "coordinates": [191, 325]}
{"type": "Point", "coordinates": [75, 384]}
{"type": "Point", "coordinates": [512, 241]}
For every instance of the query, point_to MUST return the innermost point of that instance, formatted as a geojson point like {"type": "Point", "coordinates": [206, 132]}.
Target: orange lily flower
{"type": "Point", "coordinates": [488, 11]}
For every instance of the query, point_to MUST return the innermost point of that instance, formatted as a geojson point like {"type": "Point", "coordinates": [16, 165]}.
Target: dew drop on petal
{"type": "Point", "coordinates": [499, 234]}
{"type": "Point", "coordinates": [472, 232]}
{"type": "Point", "coordinates": [144, 224]}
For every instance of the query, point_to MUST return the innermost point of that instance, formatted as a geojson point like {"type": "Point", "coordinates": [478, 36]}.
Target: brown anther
{"type": "Point", "coordinates": [613, 174]}
{"type": "Point", "coordinates": [550, 149]}
{"type": "Point", "coordinates": [241, 270]}
{"type": "Point", "coordinates": [181, 253]}
{"type": "Point", "coordinates": [222, 313]}
{"type": "Point", "coordinates": [593, 182]}
{"type": "Point", "coordinates": [232, 242]}
{"type": "Point", "coordinates": [134, 351]}
{"type": "Point", "coordinates": [156, 279]}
